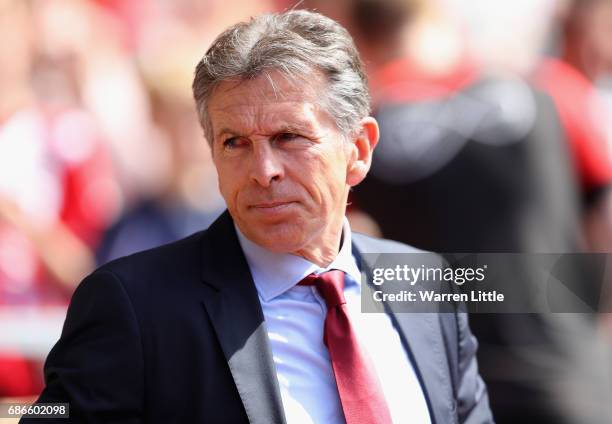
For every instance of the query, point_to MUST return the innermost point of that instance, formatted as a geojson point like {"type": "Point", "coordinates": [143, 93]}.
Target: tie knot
{"type": "Point", "coordinates": [330, 286]}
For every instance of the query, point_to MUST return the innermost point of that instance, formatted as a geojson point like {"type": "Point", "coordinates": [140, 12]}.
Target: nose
{"type": "Point", "coordinates": [265, 164]}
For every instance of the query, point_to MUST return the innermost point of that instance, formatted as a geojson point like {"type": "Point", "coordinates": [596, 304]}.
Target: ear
{"type": "Point", "coordinates": [362, 146]}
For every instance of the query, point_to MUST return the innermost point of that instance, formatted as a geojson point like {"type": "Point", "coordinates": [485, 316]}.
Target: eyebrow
{"type": "Point", "coordinates": [226, 131]}
{"type": "Point", "coordinates": [301, 127]}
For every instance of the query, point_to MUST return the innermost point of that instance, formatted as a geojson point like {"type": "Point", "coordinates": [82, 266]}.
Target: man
{"type": "Point", "coordinates": [257, 318]}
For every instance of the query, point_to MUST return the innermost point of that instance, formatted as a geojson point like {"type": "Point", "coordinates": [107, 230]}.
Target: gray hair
{"type": "Point", "coordinates": [294, 43]}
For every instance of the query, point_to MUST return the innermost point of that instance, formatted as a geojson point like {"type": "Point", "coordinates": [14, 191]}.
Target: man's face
{"type": "Point", "coordinates": [284, 167]}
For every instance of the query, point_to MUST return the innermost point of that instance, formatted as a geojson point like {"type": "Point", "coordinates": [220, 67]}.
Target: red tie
{"type": "Point", "coordinates": [362, 398]}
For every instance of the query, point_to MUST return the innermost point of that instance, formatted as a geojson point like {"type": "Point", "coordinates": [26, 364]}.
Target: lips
{"type": "Point", "coordinates": [271, 205]}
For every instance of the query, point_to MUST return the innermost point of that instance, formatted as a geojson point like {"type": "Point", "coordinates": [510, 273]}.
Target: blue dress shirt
{"type": "Point", "coordinates": [294, 318]}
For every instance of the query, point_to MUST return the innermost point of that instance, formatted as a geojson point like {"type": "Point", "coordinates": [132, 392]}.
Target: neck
{"type": "Point", "coordinates": [324, 249]}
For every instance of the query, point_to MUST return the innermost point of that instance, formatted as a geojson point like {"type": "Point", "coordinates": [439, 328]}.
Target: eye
{"type": "Point", "coordinates": [286, 136]}
{"type": "Point", "coordinates": [234, 142]}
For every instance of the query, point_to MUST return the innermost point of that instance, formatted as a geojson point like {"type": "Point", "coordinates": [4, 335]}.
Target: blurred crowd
{"type": "Point", "coordinates": [496, 123]}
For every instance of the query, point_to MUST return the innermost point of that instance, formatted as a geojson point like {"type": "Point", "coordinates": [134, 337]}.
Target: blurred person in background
{"type": "Point", "coordinates": [577, 80]}
{"type": "Point", "coordinates": [57, 191]}
{"type": "Point", "coordinates": [474, 158]}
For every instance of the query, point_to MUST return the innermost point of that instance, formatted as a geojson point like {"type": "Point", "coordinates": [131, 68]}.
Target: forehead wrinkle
{"type": "Point", "coordinates": [274, 86]}
{"type": "Point", "coordinates": [288, 116]}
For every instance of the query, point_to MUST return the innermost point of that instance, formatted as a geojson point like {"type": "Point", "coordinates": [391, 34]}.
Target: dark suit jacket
{"type": "Point", "coordinates": [176, 335]}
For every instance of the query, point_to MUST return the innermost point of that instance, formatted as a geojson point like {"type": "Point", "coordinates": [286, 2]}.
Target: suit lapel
{"type": "Point", "coordinates": [233, 307]}
{"type": "Point", "coordinates": [422, 339]}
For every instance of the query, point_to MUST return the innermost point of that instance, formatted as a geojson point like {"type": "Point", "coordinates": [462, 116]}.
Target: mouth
{"type": "Point", "coordinates": [272, 207]}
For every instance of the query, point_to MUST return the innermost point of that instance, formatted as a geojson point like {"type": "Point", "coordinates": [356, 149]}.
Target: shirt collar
{"type": "Point", "coordinates": [275, 273]}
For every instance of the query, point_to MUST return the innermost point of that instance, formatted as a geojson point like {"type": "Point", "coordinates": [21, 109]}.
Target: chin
{"type": "Point", "coordinates": [280, 238]}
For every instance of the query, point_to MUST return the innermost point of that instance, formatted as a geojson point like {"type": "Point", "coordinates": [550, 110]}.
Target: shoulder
{"type": "Point", "coordinates": [390, 251]}
{"type": "Point", "coordinates": [172, 269]}
{"type": "Point", "coordinates": [181, 253]}
{"type": "Point", "coordinates": [367, 244]}
{"type": "Point", "coordinates": [155, 272]}
{"type": "Point", "coordinates": [375, 252]}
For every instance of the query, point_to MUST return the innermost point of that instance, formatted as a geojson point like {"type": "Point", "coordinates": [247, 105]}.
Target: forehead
{"type": "Point", "coordinates": [267, 101]}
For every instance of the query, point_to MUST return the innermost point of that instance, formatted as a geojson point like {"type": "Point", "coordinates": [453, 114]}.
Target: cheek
{"type": "Point", "coordinates": [223, 190]}
{"type": "Point", "coordinates": [227, 186]}
{"type": "Point", "coordinates": [328, 181]}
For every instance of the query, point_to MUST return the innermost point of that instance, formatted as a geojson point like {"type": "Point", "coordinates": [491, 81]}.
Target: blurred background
{"type": "Point", "coordinates": [496, 123]}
